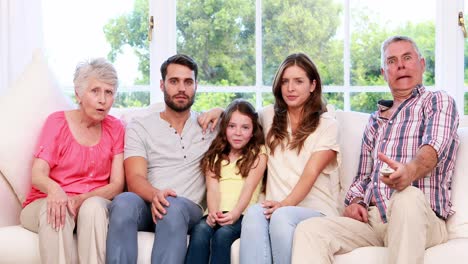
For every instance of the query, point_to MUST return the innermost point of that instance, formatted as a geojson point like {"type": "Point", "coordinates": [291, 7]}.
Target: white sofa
{"type": "Point", "coordinates": [35, 95]}
{"type": "Point", "coordinates": [18, 245]}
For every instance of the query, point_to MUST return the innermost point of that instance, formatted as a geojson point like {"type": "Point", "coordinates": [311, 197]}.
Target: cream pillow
{"type": "Point", "coordinates": [23, 110]}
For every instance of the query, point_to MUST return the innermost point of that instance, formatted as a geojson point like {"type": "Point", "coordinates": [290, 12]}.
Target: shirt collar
{"type": "Point", "coordinates": [384, 105]}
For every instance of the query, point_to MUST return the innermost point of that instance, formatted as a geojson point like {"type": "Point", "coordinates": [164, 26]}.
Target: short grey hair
{"type": "Point", "coordinates": [394, 39]}
{"type": "Point", "coordinates": [98, 68]}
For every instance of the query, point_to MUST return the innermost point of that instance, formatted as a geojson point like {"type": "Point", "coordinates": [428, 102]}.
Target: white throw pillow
{"type": "Point", "coordinates": [23, 110]}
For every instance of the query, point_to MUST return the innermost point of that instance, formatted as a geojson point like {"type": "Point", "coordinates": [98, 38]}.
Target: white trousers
{"type": "Point", "coordinates": [412, 227]}
{"type": "Point", "coordinates": [57, 246]}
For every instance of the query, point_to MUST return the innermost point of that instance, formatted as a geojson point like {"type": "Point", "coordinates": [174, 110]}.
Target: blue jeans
{"type": "Point", "coordinates": [265, 240]}
{"type": "Point", "coordinates": [129, 213]}
{"type": "Point", "coordinates": [221, 239]}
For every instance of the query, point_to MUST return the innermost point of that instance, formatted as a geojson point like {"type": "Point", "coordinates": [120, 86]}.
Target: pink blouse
{"type": "Point", "coordinates": [76, 168]}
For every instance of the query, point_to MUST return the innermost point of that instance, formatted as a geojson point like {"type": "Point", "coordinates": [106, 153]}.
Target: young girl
{"type": "Point", "coordinates": [233, 166]}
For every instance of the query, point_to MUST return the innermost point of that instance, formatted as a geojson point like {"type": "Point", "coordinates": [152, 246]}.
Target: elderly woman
{"type": "Point", "coordinates": [78, 168]}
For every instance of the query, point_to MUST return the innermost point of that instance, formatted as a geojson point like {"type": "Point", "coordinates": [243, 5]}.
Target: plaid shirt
{"type": "Point", "coordinates": [425, 118]}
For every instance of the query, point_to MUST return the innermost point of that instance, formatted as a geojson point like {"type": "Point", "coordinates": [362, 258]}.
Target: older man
{"type": "Point", "coordinates": [414, 135]}
{"type": "Point", "coordinates": [162, 166]}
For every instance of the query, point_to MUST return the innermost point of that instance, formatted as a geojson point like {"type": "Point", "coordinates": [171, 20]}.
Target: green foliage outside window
{"type": "Point", "coordinates": [220, 35]}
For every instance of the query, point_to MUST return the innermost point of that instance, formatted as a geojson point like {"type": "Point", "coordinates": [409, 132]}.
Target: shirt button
{"type": "Point", "coordinates": [175, 132]}
{"type": "Point", "coordinates": [185, 157]}
{"type": "Point", "coordinates": [183, 147]}
{"type": "Point", "coordinates": [384, 140]}
{"type": "Point", "coordinates": [375, 183]}
{"type": "Point", "coordinates": [391, 122]}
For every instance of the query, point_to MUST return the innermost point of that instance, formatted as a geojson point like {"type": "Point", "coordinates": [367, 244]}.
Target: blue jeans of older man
{"type": "Point", "coordinates": [129, 213]}
{"type": "Point", "coordinates": [216, 240]}
{"type": "Point", "coordinates": [270, 241]}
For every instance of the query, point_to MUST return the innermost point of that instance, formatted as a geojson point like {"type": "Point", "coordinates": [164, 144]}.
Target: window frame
{"type": "Point", "coordinates": [449, 53]}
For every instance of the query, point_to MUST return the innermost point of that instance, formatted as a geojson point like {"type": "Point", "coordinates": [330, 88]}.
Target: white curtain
{"type": "Point", "coordinates": [20, 35]}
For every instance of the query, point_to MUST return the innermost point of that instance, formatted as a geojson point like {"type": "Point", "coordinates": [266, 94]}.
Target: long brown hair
{"type": "Point", "coordinates": [220, 148]}
{"type": "Point", "coordinates": [311, 111]}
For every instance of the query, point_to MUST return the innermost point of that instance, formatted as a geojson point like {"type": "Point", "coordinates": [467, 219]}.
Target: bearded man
{"type": "Point", "coordinates": [162, 167]}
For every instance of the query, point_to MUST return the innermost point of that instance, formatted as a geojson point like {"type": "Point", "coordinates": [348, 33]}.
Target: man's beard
{"type": "Point", "coordinates": [177, 107]}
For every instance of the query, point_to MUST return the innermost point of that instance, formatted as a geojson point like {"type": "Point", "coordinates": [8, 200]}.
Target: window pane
{"type": "Point", "coordinates": [267, 99]}
{"type": "Point", "coordinates": [335, 99]}
{"type": "Point", "coordinates": [367, 101]}
{"type": "Point", "coordinates": [309, 26]}
{"type": "Point", "coordinates": [208, 100]}
{"type": "Point", "coordinates": [220, 36]}
{"type": "Point", "coordinates": [374, 21]}
{"type": "Point", "coordinates": [115, 29]}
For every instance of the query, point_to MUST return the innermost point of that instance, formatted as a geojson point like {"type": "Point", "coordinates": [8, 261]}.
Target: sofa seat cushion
{"type": "Point", "coordinates": [454, 252]}
{"type": "Point", "coordinates": [19, 245]}
{"type": "Point", "coordinates": [364, 255]}
{"type": "Point", "coordinates": [145, 247]}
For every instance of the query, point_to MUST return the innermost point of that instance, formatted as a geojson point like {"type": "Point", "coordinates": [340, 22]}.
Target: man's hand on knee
{"type": "Point", "coordinates": [159, 201]}
{"type": "Point", "coordinates": [357, 212]}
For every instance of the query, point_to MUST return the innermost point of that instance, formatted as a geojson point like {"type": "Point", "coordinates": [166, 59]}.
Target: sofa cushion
{"type": "Point", "coordinates": [352, 126]}
{"type": "Point", "coordinates": [453, 251]}
{"type": "Point", "coordinates": [11, 206]}
{"type": "Point", "coordinates": [127, 114]}
{"type": "Point", "coordinates": [457, 224]}
{"type": "Point", "coordinates": [23, 110]}
{"type": "Point", "coordinates": [19, 245]}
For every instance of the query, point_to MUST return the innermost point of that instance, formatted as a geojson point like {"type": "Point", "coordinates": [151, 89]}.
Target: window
{"type": "Point", "coordinates": [239, 44]}
{"type": "Point", "coordinates": [88, 34]}
{"type": "Point", "coordinates": [371, 22]}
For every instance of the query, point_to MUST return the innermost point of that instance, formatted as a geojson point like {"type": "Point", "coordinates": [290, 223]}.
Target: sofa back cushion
{"type": "Point", "coordinates": [23, 110]}
{"type": "Point", "coordinates": [457, 224]}
{"type": "Point", "coordinates": [127, 114]}
{"type": "Point", "coordinates": [352, 126]}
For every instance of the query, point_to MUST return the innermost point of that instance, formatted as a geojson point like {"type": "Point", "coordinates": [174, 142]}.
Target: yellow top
{"type": "Point", "coordinates": [231, 183]}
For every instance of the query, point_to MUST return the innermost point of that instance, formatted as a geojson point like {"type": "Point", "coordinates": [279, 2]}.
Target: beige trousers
{"type": "Point", "coordinates": [412, 227]}
{"type": "Point", "coordinates": [57, 246]}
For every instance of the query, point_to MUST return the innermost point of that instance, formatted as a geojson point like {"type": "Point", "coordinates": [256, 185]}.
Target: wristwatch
{"type": "Point", "coordinates": [362, 203]}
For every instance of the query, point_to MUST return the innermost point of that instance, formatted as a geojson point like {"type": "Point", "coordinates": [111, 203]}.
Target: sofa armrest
{"type": "Point", "coordinates": [11, 206]}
